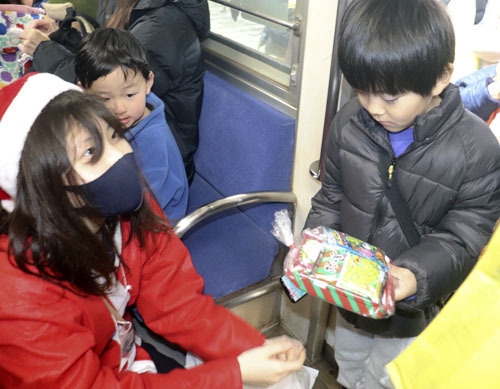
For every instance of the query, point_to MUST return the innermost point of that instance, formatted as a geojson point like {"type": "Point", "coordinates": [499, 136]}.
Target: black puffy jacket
{"type": "Point", "coordinates": [171, 31]}
{"type": "Point", "coordinates": [449, 177]}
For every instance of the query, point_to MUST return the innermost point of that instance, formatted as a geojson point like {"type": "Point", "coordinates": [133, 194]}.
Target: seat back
{"type": "Point", "coordinates": [245, 146]}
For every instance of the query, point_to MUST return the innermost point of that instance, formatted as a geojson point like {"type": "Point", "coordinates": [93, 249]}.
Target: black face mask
{"type": "Point", "coordinates": [117, 191]}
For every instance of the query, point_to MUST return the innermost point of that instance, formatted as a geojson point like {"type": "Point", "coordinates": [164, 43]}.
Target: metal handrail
{"type": "Point", "coordinates": [187, 222]}
{"type": "Point", "coordinates": [255, 291]}
{"type": "Point", "coordinates": [333, 88]}
{"type": "Point", "coordinates": [292, 26]}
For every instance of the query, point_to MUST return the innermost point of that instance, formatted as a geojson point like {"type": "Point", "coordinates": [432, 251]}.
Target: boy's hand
{"type": "Point", "coordinates": [405, 283]}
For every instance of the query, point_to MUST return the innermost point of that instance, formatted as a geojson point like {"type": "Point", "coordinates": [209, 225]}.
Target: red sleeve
{"type": "Point", "coordinates": [47, 341]}
{"type": "Point", "coordinates": [171, 302]}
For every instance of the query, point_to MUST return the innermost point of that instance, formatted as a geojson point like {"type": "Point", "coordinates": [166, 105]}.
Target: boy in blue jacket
{"type": "Point", "coordinates": [112, 64]}
{"type": "Point", "coordinates": [407, 169]}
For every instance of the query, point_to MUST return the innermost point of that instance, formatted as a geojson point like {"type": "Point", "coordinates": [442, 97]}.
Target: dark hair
{"type": "Point", "coordinates": [395, 46]}
{"type": "Point", "coordinates": [106, 49]}
{"type": "Point", "coordinates": [48, 235]}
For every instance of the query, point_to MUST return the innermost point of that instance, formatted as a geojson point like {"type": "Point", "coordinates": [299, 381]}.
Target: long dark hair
{"type": "Point", "coordinates": [48, 235]}
{"type": "Point", "coordinates": [121, 13]}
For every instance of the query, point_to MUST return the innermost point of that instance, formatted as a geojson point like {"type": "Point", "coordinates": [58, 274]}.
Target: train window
{"type": "Point", "coordinates": [259, 42]}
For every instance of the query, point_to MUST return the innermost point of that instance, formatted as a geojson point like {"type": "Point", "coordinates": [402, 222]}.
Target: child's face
{"type": "Point", "coordinates": [396, 113]}
{"type": "Point", "coordinates": [81, 148]}
{"type": "Point", "coordinates": [124, 96]}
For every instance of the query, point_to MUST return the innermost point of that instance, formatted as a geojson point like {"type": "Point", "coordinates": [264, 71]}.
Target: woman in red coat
{"type": "Point", "coordinates": [85, 241]}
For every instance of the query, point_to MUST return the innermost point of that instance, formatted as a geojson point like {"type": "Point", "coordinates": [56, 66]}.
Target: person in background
{"type": "Point", "coordinates": [406, 169]}
{"type": "Point", "coordinates": [480, 91]}
{"type": "Point", "coordinates": [29, 3]}
{"type": "Point", "coordinates": [15, 16]}
{"type": "Point", "coordinates": [82, 241]}
{"type": "Point", "coordinates": [171, 32]}
{"type": "Point", "coordinates": [112, 64]}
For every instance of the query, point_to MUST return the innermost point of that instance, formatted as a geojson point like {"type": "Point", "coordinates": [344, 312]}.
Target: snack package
{"type": "Point", "coordinates": [337, 268]}
{"type": "Point", "coordinates": [14, 18]}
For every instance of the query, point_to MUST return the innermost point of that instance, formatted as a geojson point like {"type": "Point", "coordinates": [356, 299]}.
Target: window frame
{"type": "Point", "coordinates": [255, 72]}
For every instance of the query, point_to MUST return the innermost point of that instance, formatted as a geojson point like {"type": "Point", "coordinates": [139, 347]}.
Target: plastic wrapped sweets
{"type": "Point", "coordinates": [337, 268]}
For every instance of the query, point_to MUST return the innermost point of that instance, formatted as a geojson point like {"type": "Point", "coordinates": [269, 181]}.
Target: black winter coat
{"type": "Point", "coordinates": [171, 32]}
{"type": "Point", "coordinates": [449, 177]}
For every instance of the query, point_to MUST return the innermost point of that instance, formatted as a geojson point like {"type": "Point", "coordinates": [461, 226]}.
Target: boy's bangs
{"type": "Point", "coordinates": [380, 69]}
{"type": "Point", "coordinates": [375, 75]}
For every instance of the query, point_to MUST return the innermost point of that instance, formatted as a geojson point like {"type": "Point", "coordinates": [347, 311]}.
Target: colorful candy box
{"type": "Point", "coordinates": [342, 270]}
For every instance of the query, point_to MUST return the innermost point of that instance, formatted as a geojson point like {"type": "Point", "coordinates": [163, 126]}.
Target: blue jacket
{"type": "Point", "coordinates": [160, 160]}
{"type": "Point", "coordinates": [474, 92]}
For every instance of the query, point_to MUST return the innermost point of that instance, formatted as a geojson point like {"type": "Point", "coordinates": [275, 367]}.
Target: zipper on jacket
{"type": "Point", "coordinates": [390, 172]}
{"type": "Point", "coordinates": [387, 182]}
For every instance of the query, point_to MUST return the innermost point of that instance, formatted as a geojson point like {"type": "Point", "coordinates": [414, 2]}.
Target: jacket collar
{"type": "Point", "coordinates": [442, 117]}
{"type": "Point", "coordinates": [426, 126]}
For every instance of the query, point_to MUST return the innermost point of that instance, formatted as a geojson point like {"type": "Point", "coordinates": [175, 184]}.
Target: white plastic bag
{"type": "Point", "coordinates": [301, 379]}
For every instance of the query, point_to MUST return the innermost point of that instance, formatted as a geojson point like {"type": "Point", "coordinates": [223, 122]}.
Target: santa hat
{"type": "Point", "coordinates": [20, 104]}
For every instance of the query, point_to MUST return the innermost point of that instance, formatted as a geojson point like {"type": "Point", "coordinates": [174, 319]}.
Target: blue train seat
{"type": "Point", "coordinates": [245, 146]}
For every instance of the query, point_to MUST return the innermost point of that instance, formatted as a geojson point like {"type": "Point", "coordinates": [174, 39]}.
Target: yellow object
{"type": "Point", "coordinates": [461, 346]}
{"type": "Point", "coordinates": [391, 169]}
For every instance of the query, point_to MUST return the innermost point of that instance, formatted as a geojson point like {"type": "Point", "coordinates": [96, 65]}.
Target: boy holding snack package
{"type": "Point", "coordinates": [407, 169]}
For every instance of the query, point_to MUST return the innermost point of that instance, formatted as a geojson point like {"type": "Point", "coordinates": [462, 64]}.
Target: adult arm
{"type": "Point", "coordinates": [49, 56]}
{"type": "Point", "coordinates": [475, 91]}
{"type": "Point", "coordinates": [47, 339]}
{"type": "Point", "coordinates": [171, 303]}
{"type": "Point", "coordinates": [52, 57]}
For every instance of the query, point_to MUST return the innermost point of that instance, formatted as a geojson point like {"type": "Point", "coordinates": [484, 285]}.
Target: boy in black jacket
{"type": "Point", "coordinates": [407, 169]}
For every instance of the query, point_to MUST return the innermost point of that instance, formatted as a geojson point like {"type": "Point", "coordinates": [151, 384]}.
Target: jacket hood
{"type": "Point", "coordinates": [196, 10]}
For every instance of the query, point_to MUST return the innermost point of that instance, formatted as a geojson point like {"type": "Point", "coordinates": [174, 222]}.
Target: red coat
{"type": "Point", "coordinates": [52, 338]}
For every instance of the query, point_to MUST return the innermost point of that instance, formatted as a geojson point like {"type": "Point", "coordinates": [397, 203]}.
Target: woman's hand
{"type": "Point", "coordinates": [405, 283]}
{"type": "Point", "coordinates": [37, 32]}
{"type": "Point", "coordinates": [271, 362]}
